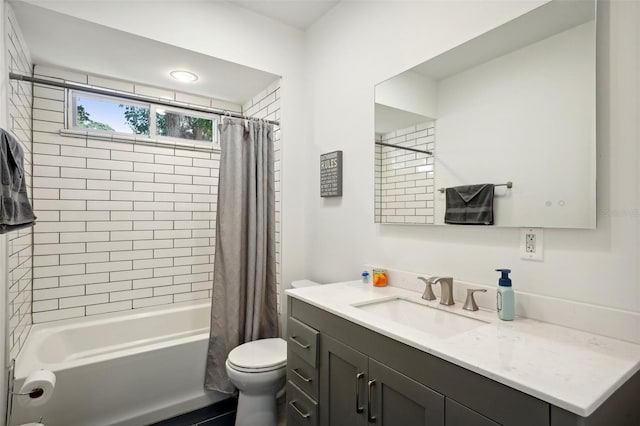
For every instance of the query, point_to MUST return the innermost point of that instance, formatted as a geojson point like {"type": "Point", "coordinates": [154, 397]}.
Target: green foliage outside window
{"type": "Point", "coordinates": [170, 124]}
{"type": "Point", "coordinates": [83, 120]}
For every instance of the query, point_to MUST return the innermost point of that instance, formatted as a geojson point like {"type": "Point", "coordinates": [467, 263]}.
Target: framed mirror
{"type": "Point", "coordinates": [514, 107]}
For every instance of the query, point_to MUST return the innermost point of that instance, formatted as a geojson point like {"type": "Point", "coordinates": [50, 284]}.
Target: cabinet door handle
{"type": "Point", "coordinates": [371, 417]}
{"type": "Point", "coordinates": [300, 413]}
{"type": "Point", "coordinates": [305, 379]}
{"type": "Point", "coordinates": [303, 346]}
{"type": "Point", "coordinates": [359, 409]}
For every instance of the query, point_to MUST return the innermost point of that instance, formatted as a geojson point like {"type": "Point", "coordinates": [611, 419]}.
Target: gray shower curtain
{"type": "Point", "coordinates": [244, 305]}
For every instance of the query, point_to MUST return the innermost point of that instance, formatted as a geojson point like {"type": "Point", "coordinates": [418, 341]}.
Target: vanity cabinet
{"type": "Point", "coordinates": [411, 387]}
{"type": "Point", "coordinates": [357, 390]}
{"type": "Point", "coordinates": [348, 375]}
{"type": "Point", "coordinates": [459, 415]}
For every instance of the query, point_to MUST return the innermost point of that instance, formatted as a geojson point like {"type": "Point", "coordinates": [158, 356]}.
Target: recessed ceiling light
{"type": "Point", "coordinates": [184, 76]}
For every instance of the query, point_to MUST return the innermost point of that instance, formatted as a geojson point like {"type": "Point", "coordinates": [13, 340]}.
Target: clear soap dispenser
{"type": "Point", "coordinates": [505, 297]}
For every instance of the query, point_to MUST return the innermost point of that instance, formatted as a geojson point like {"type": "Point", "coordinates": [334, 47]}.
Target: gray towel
{"type": "Point", "coordinates": [470, 205]}
{"type": "Point", "coordinates": [15, 209]}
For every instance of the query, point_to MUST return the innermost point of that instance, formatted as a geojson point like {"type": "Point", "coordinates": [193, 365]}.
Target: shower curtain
{"type": "Point", "coordinates": [244, 305]}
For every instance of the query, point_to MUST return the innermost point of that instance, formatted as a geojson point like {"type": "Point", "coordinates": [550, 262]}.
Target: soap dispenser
{"type": "Point", "coordinates": [505, 297]}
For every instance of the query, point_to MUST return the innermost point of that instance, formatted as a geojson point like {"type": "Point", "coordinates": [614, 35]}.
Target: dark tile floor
{"type": "Point", "coordinates": [222, 413]}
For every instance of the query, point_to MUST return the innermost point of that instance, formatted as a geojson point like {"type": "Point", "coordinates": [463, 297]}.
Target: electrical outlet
{"type": "Point", "coordinates": [530, 242]}
{"type": "Point", "coordinates": [531, 247]}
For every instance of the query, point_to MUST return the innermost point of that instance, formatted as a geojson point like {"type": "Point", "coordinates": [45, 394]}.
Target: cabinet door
{"type": "Point", "coordinates": [343, 376]}
{"type": "Point", "coordinates": [398, 400]}
{"type": "Point", "coordinates": [459, 415]}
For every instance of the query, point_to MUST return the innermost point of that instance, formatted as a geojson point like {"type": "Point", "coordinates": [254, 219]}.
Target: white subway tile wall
{"type": "Point", "coordinates": [20, 242]}
{"type": "Point", "coordinates": [124, 225]}
{"type": "Point", "coordinates": [266, 104]}
{"type": "Point", "coordinates": [404, 179]}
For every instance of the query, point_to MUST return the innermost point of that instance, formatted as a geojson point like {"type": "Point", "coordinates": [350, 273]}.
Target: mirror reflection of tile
{"type": "Point", "coordinates": [405, 179]}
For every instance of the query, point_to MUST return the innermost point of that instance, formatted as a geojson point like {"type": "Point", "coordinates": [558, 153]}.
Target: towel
{"type": "Point", "coordinates": [470, 205]}
{"type": "Point", "coordinates": [15, 209]}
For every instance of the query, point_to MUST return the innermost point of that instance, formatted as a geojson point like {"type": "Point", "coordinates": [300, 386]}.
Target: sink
{"type": "Point", "coordinates": [436, 322]}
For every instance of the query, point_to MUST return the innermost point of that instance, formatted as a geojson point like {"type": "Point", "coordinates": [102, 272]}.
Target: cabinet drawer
{"type": "Point", "coordinates": [301, 409]}
{"type": "Point", "coordinates": [303, 341]}
{"type": "Point", "coordinates": [302, 374]}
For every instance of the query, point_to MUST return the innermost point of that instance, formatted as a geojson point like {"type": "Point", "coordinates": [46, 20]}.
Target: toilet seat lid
{"type": "Point", "coordinates": [259, 355]}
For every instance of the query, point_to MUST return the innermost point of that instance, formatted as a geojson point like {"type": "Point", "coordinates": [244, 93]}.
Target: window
{"type": "Point", "coordinates": [120, 116]}
{"type": "Point", "coordinates": [175, 124]}
{"type": "Point", "coordinates": [102, 113]}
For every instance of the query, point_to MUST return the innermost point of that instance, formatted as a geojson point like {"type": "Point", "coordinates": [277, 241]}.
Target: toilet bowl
{"type": "Point", "coordinates": [258, 370]}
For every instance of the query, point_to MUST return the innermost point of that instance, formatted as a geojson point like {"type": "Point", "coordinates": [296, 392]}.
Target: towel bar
{"type": "Point", "coordinates": [508, 185]}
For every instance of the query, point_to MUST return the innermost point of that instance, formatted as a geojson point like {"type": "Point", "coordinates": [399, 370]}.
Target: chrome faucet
{"type": "Point", "coordinates": [446, 283]}
{"type": "Point", "coordinates": [428, 291]}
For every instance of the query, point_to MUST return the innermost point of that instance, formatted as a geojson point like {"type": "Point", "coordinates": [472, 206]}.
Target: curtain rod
{"type": "Point", "coordinates": [404, 147]}
{"type": "Point", "coordinates": [130, 97]}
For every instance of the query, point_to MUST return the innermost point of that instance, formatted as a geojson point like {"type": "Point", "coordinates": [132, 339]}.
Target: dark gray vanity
{"type": "Point", "coordinates": [341, 373]}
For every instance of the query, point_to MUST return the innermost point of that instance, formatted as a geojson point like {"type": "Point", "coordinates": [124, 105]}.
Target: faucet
{"type": "Point", "coordinates": [428, 291]}
{"type": "Point", "coordinates": [446, 296]}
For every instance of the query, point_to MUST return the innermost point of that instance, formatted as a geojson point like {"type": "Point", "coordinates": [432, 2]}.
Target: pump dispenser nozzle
{"type": "Point", "coordinates": [504, 281]}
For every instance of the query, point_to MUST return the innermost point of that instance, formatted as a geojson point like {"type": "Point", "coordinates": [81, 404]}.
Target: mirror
{"type": "Point", "coordinates": [516, 104]}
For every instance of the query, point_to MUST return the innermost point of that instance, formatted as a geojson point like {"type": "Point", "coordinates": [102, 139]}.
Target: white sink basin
{"type": "Point", "coordinates": [421, 317]}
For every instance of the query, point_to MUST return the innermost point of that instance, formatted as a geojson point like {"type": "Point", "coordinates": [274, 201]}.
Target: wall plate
{"type": "Point", "coordinates": [531, 244]}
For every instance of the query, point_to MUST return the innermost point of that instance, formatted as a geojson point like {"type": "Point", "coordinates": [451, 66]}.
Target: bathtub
{"type": "Point", "coordinates": [120, 369]}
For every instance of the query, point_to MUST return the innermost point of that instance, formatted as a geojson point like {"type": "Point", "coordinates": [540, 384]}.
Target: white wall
{"type": "Point", "coordinates": [593, 266]}
{"type": "Point", "coordinates": [357, 45]}
{"type": "Point", "coordinates": [526, 117]}
{"type": "Point", "coordinates": [234, 34]}
{"type": "Point", "coordinates": [21, 241]}
{"type": "Point", "coordinates": [16, 247]}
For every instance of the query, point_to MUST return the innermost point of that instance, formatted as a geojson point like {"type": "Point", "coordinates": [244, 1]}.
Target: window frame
{"type": "Point", "coordinates": [72, 115]}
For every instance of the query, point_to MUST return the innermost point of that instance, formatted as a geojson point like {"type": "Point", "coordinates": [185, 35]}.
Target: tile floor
{"type": "Point", "coordinates": [222, 413]}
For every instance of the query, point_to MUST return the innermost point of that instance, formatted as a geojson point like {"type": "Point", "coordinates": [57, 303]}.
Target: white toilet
{"type": "Point", "coordinates": [258, 369]}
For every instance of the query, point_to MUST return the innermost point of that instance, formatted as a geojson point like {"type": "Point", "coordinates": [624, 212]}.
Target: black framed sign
{"type": "Point", "coordinates": [331, 174]}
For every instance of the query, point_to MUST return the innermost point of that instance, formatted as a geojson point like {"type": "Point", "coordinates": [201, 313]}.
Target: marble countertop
{"type": "Point", "coordinates": [568, 368]}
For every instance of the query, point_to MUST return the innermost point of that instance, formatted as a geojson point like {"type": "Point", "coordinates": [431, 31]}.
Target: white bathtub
{"type": "Point", "coordinates": [124, 369]}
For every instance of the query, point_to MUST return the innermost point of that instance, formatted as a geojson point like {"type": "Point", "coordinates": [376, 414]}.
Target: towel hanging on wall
{"type": "Point", "coordinates": [469, 205]}
{"type": "Point", "coordinates": [15, 208]}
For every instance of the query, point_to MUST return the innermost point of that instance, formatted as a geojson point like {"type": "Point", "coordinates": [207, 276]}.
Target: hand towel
{"type": "Point", "coordinates": [15, 208]}
{"type": "Point", "coordinates": [469, 205]}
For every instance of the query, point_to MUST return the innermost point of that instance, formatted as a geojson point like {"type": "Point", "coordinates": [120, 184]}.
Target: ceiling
{"type": "Point", "coordinates": [298, 13]}
{"type": "Point", "coordinates": [146, 61]}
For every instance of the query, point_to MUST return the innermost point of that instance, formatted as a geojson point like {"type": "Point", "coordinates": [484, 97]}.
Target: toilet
{"type": "Point", "coordinates": [258, 369]}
